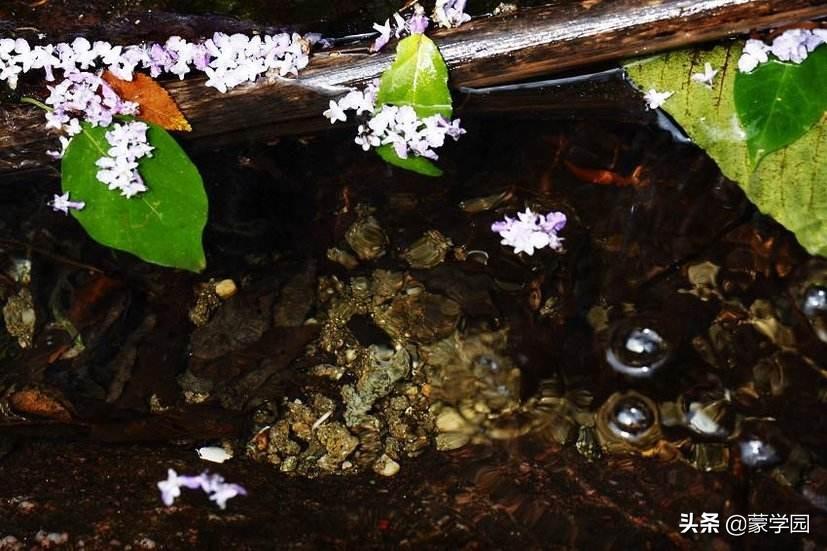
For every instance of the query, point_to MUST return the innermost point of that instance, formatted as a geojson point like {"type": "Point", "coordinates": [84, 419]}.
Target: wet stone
{"type": "Point", "coordinates": [19, 316]}
{"type": "Point", "coordinates": [419, 316]}
{"type": "Point", "coordinates": [338, 442]}
{"type": "Point", "coordinates": [378, 372]}
{"type": "Point", "coordinates": [342, 257]}
{"type": "Point", "coordinates": [206, 302]}
{"type": "Point", "coordinates": [386, 466]}
{"type": "Point", "coordinates": [428, 251]}
{"type": "Point", "coordinates": [296, 298]}
{"type": "Point", "coordinates": [587, 444]}
{"type": "Point", "coordinates": [225, 289]}
{"type": "Point", "coordinates": [367, 238]}
{"type": "Point", "coordinates": [240, 321]}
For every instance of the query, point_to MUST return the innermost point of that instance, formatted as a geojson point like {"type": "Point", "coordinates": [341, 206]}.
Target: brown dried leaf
{"type": "Point", "coordinates": [39, 403]}
{"type": "Point", "coordinates": [156, 105]}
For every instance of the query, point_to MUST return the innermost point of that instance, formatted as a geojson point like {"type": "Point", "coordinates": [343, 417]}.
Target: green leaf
{"type": "Point", "coordinates": [414, 164]}
{"type": "Point", "coordinates": [790, 184]}
{"type": "Point", "coordinates": [162, 225]}
{"type": "Point", "coordinates": [779, 102]}
{"type": "Point", "coordinates": [418, 77]}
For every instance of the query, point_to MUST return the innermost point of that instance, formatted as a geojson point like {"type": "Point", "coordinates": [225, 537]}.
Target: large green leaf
{"type": "Point", "coordinates": [162, 225]}
{"type": "Point", "coordinates": [790, 184]}
{"type": "Point", "coordinates": [779, 102]}
{"type": "Point", "coordinates": [418, 77]}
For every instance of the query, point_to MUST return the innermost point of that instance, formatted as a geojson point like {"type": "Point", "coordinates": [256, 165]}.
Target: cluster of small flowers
{"type": "Point", "coordinates": [793, 45]}
{"type": "Point", "coordinates": [398, 126]}
{"type": "Point", "coordinates": [415, 24]}
{"type": "Point", "coordinates": [77, 97]}
{"type": "Point", "coordinates": [119, 167]}
{"type": "Point", "coordinates": [450, 13]}
{"type": "Point", "coordinates": [406, 132]}
{"type": "Point", "coordinates": [228, 60]}
{"type": "Point", "coordinates": [213, 485]}
{"type": "Point", "coordinates": [531, 231]}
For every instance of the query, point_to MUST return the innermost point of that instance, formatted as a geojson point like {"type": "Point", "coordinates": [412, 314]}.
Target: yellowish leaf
{"type": "Point", "coordinates": [156, 105]}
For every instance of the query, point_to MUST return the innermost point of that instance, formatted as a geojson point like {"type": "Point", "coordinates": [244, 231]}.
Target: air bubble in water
{"type": "Point", "coordinates": [636, 349]}
{"type": "Point", "coordinates": [631, 418]}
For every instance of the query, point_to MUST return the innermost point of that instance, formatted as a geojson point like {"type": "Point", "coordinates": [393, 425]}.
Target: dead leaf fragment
{"type": "Point", "coordinates": [39, 403]}
{"type": "Point", "coordinates": [156, 105]}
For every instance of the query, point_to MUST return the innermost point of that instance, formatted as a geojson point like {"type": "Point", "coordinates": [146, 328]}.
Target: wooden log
{"type": "Point", "coordinates": [491, 50]}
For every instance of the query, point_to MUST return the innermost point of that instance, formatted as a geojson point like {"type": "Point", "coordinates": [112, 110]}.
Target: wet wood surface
{"type": "Point", "coordinates": [526, 44]}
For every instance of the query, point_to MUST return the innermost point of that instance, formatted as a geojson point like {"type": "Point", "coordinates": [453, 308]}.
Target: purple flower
{"type": "Point", "coordinates": [552, 222]}
{"type": "Point", "coordinates": [232, 60]}
{"type": "Point", "coordinates": [450, 13]}
{"type": "Point", "coordinates": [78, 94]}
{"type": "Point", "coordinates": [214, 485]}
{"type": "Point", "coordinates": [119, 167]}
{"type": "Point", "coordinates": [418, 23]}
{"type": "Point", "coordinates": [61, 203]}
{"type": "Point", "coordinates": [335, 112]}
{"type": "Point", "coordinates": [170, 488]}
{"type": "Point", "coordinates": [793, 45]}
{"type": "Point", "coordinates": [754, 53]}
{"type": "Point", "coordinates": [392, 125]}
{"type": "Point", "coordinates": [384, 35]}
{"type": "Point", "coordinates": [655, 99]}
{"type": "Point", "coordinates": [531, 231]}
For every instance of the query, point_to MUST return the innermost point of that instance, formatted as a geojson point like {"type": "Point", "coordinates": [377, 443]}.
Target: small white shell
{"type": "Point", "coordinates": [214, 454]}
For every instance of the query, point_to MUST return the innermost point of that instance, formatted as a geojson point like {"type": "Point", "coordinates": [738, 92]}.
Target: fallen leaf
{"type": "Point", "coordinates": [156, 105]}
{"type": "Point", "coordinates": [605, 177]}
{"type": "Point", "coordinates": [39, 403]}
{"type": "Point", "coordinates": [788, 184]}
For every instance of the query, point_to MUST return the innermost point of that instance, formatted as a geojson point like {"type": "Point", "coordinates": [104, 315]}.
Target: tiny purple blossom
{"type": "Point", "coordinates": [61, 203]}
{"type": "Point", "coordinates": [655, 99]}
{"type": "Point", "coordinates": [553, 222]}
{"type": "Point", "coordinates": [399, 24]}
{"type": "Point", "coordinates": [384, 35]}
{"type": "Point", "coordinates": [213, 485]}
{"type": "Point", "coordinates": [754, 53]}
{"type": "Point", "coordinates": [418, 23]}
{"type": "Point", "coordinates": [791, 45]}
{"type": "Point", "coordinates": [335, 113]}
{"type": "Point", "coordinates": [531, 231]}
{"type": "Point", "coordinates": [119, 167]}
{"type": "Point", "coordinates": [450, 13]}
{"type": "Point", "coordinates": [170, 488]}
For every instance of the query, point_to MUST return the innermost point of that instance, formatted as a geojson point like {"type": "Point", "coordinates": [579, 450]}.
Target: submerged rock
{"type": "Point", "coordinates": [378, 370]}
{"type": "Point", "coordinates": [428, 251]}
{"type": "Point", "coordinates": [20, 318]}
{"type": "Point", "coordinates": [367, 238]}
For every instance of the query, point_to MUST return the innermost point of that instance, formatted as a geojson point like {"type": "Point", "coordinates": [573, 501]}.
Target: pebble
{"type": "Point", "coordinates": [225, 289]}
{"type": "Point", "coordinates": [386, 466]}
{"type": "Point", "coordinates": [214, 454]}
